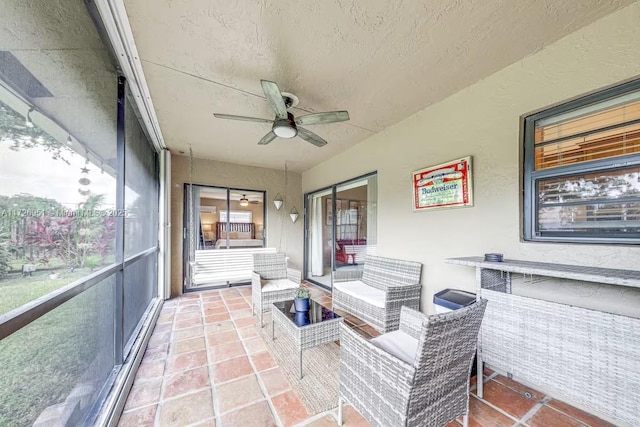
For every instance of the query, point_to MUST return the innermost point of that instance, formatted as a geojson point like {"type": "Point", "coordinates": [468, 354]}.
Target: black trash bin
{"type": "Point", "coordinates": [454, 299]}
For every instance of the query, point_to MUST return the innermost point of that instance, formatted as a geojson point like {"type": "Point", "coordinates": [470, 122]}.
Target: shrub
{"type": "Point", "coordinates": [4, 260]}
{"type": "Point", "coordinates": [4, 253]}
{"type": "Point", "coordinates": [302, 293]}
{"type": "Point", "coordinates": [93, 262]}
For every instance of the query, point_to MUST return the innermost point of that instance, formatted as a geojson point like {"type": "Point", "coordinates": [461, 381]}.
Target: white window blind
{"type": "Point", "coordinates": [237, 216]}
{"type": "Point", "coordinates": [582, 169]}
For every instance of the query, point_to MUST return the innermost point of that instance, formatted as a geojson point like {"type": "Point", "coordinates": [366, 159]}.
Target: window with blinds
{"type": "Point", "coordinates": [582, 169]}
{"type": "Point", "coordinates": [237, 216]}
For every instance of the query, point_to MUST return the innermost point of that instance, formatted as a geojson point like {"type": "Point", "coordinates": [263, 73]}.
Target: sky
{"type": "Point", "coordinates": [33, 171]}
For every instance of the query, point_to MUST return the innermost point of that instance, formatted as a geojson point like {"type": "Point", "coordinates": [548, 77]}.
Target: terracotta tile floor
{"type": "Point", "coordinates": [206, 365]}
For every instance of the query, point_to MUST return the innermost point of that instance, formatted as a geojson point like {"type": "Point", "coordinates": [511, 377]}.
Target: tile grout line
{"type": "Point", "coordinates": [502, 411]}
{"type": "Point", "coordinates": [159, 405]}
{"type": "Point", "coordinates": [526, 417]}
{"type": "Point", "coordinates": [217, 411]}
{"type": "Point", "coordinates": [318, 416]}
{"type": "Point", "coordinates": [265, 392]}
{"type": "Point", "coordinates": [161, 399]}
{"type": "Point", "coordinates": [214, 418]}
{"type": "Point", "coordinates": [214, 395]}
{"type": "Point", "coordinates": [263, 387]}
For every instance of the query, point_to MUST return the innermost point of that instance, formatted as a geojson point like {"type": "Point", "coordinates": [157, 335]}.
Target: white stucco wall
{"type": "Point", "coordinates": [281, 232]}
{"type": "Point", "coordinates": [483, 121]}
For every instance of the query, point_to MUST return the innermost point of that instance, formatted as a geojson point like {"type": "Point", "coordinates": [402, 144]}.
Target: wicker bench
{"type": "Point", "coordinates": [376, 293]}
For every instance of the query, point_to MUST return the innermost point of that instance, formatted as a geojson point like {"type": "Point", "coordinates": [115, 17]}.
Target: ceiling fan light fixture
{"type": "Point", "coordinates": [285, 123]}
{"type": "Point", "coordinates": [285, 131]}
{"type": "Point", "coordinates": [244, 201]}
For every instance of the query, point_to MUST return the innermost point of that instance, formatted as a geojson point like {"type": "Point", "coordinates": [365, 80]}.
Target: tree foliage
{"type": "Point", "coordinates": [38, 228]}
{"type": "Point", "coordinates": [73, 238]}
{"type": "Point", "coordinates": [28, 201]}
{"type": "Point", "coordinates": [4, 254]}
{"type": "Point", "coordinates": [13, 129]}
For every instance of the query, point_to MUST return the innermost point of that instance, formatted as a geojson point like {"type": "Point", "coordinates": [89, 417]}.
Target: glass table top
{"type": "Point", "coordinates": [316, 313]}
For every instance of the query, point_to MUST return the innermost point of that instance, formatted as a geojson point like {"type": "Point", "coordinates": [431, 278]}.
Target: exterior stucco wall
{"type": "Point", "coordinates": [281, 232]}
{"type": "Point", "coordinates": [483, 120]}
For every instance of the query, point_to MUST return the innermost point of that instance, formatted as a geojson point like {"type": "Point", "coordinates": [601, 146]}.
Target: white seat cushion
{"type": "Point", "coordinates": [278, 285]}
{"type": "Point", "coordinates": [401, 345]}
{"type": "Point", "coordinates": [360, 290]}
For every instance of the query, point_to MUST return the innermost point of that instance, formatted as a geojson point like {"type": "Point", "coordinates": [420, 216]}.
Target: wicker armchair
{"type": "Point", "coordinates": [416, 376]}
{"type": "Point", "coordinates": [376, 293]}
{"type": "Point", "coordinates": [271, 281]}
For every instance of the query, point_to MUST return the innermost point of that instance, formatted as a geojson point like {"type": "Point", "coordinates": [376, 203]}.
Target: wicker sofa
{"type": "Point", "coordinates": [376, 293]}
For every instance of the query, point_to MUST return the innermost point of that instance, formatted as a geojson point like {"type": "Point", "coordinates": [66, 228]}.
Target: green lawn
{"type": "Point", "coordinates": [16, 290]}
{"type": "Point", "coordinates": [43, 362]}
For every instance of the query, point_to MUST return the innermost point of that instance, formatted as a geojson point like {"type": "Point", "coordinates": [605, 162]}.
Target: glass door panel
{"type": "Point", "coordinates": [351, 224]}
{"type": "Point", "coordinates": [219, 222]}
{"type": "Point", "coordinates": [341, 229]}
{"type": "Point", "coordinates": [319, 237]}
{"type": "Point", "coordinates": [242, 226]}
{"type": "Point", "coordinates": [213, 201]}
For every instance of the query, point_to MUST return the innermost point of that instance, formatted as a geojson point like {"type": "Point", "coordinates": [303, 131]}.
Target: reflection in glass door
{"type": "Point", "coordinates": [341, 228]}
{"type": "Point", "coordinates": [223, 227]}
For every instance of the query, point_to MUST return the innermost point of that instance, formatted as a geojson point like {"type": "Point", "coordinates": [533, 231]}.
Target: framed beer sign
{"type": "Point", "coordinates": [443, 186]}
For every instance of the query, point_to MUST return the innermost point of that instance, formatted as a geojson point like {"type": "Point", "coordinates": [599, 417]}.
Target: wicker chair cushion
{"type": "Point", "coordinates": [401, 345]}
{"type": "Point", "coordinates": [362, 291]}
{"type": "Point", "coordinates": [278, 285]}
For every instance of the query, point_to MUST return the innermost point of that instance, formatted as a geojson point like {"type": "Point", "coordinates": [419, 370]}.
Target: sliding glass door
{"type": "Point", "coordinates": [340, 228]}
{"type": "Point", "coordinates": [223, 228]}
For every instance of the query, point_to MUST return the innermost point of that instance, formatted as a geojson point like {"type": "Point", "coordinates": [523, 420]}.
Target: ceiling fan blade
{"type": "Point", "coordinates": [243, 118]}
{"type": "Point", "coordinates": [320, 118]}
{"type": "Point", "coordinates": [267, 138]}
{"type": "Point", "coordinates": [274, 96]}
{"type": "Point", "coordinates": [311, 137]}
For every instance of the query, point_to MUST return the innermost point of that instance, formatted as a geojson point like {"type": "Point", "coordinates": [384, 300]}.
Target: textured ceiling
{"type": "Point", "coordinates": [381, 60]}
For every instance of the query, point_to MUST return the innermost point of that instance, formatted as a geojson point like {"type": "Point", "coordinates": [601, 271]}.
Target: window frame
{"type": "Point", "coordinates": [531, 177]}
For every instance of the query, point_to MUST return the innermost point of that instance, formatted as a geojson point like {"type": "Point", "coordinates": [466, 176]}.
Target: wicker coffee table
{"type": "Point", "coordinates": [308, 329]}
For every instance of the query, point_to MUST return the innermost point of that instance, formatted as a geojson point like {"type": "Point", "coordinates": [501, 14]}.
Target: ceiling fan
{"type": "Point", "coordinates": [285, 124]}
{"type": "Point", "coordinates": [245, 202]}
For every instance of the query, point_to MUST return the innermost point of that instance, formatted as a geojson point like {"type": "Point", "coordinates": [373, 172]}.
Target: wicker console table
{"type": "Point", "coordinates": [589, 358]}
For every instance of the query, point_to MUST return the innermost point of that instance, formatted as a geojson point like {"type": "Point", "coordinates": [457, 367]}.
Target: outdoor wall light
{"type": "Point", "coordinates": [278, 201]}
{"type": "Point", "coordinates": [293, 214]}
